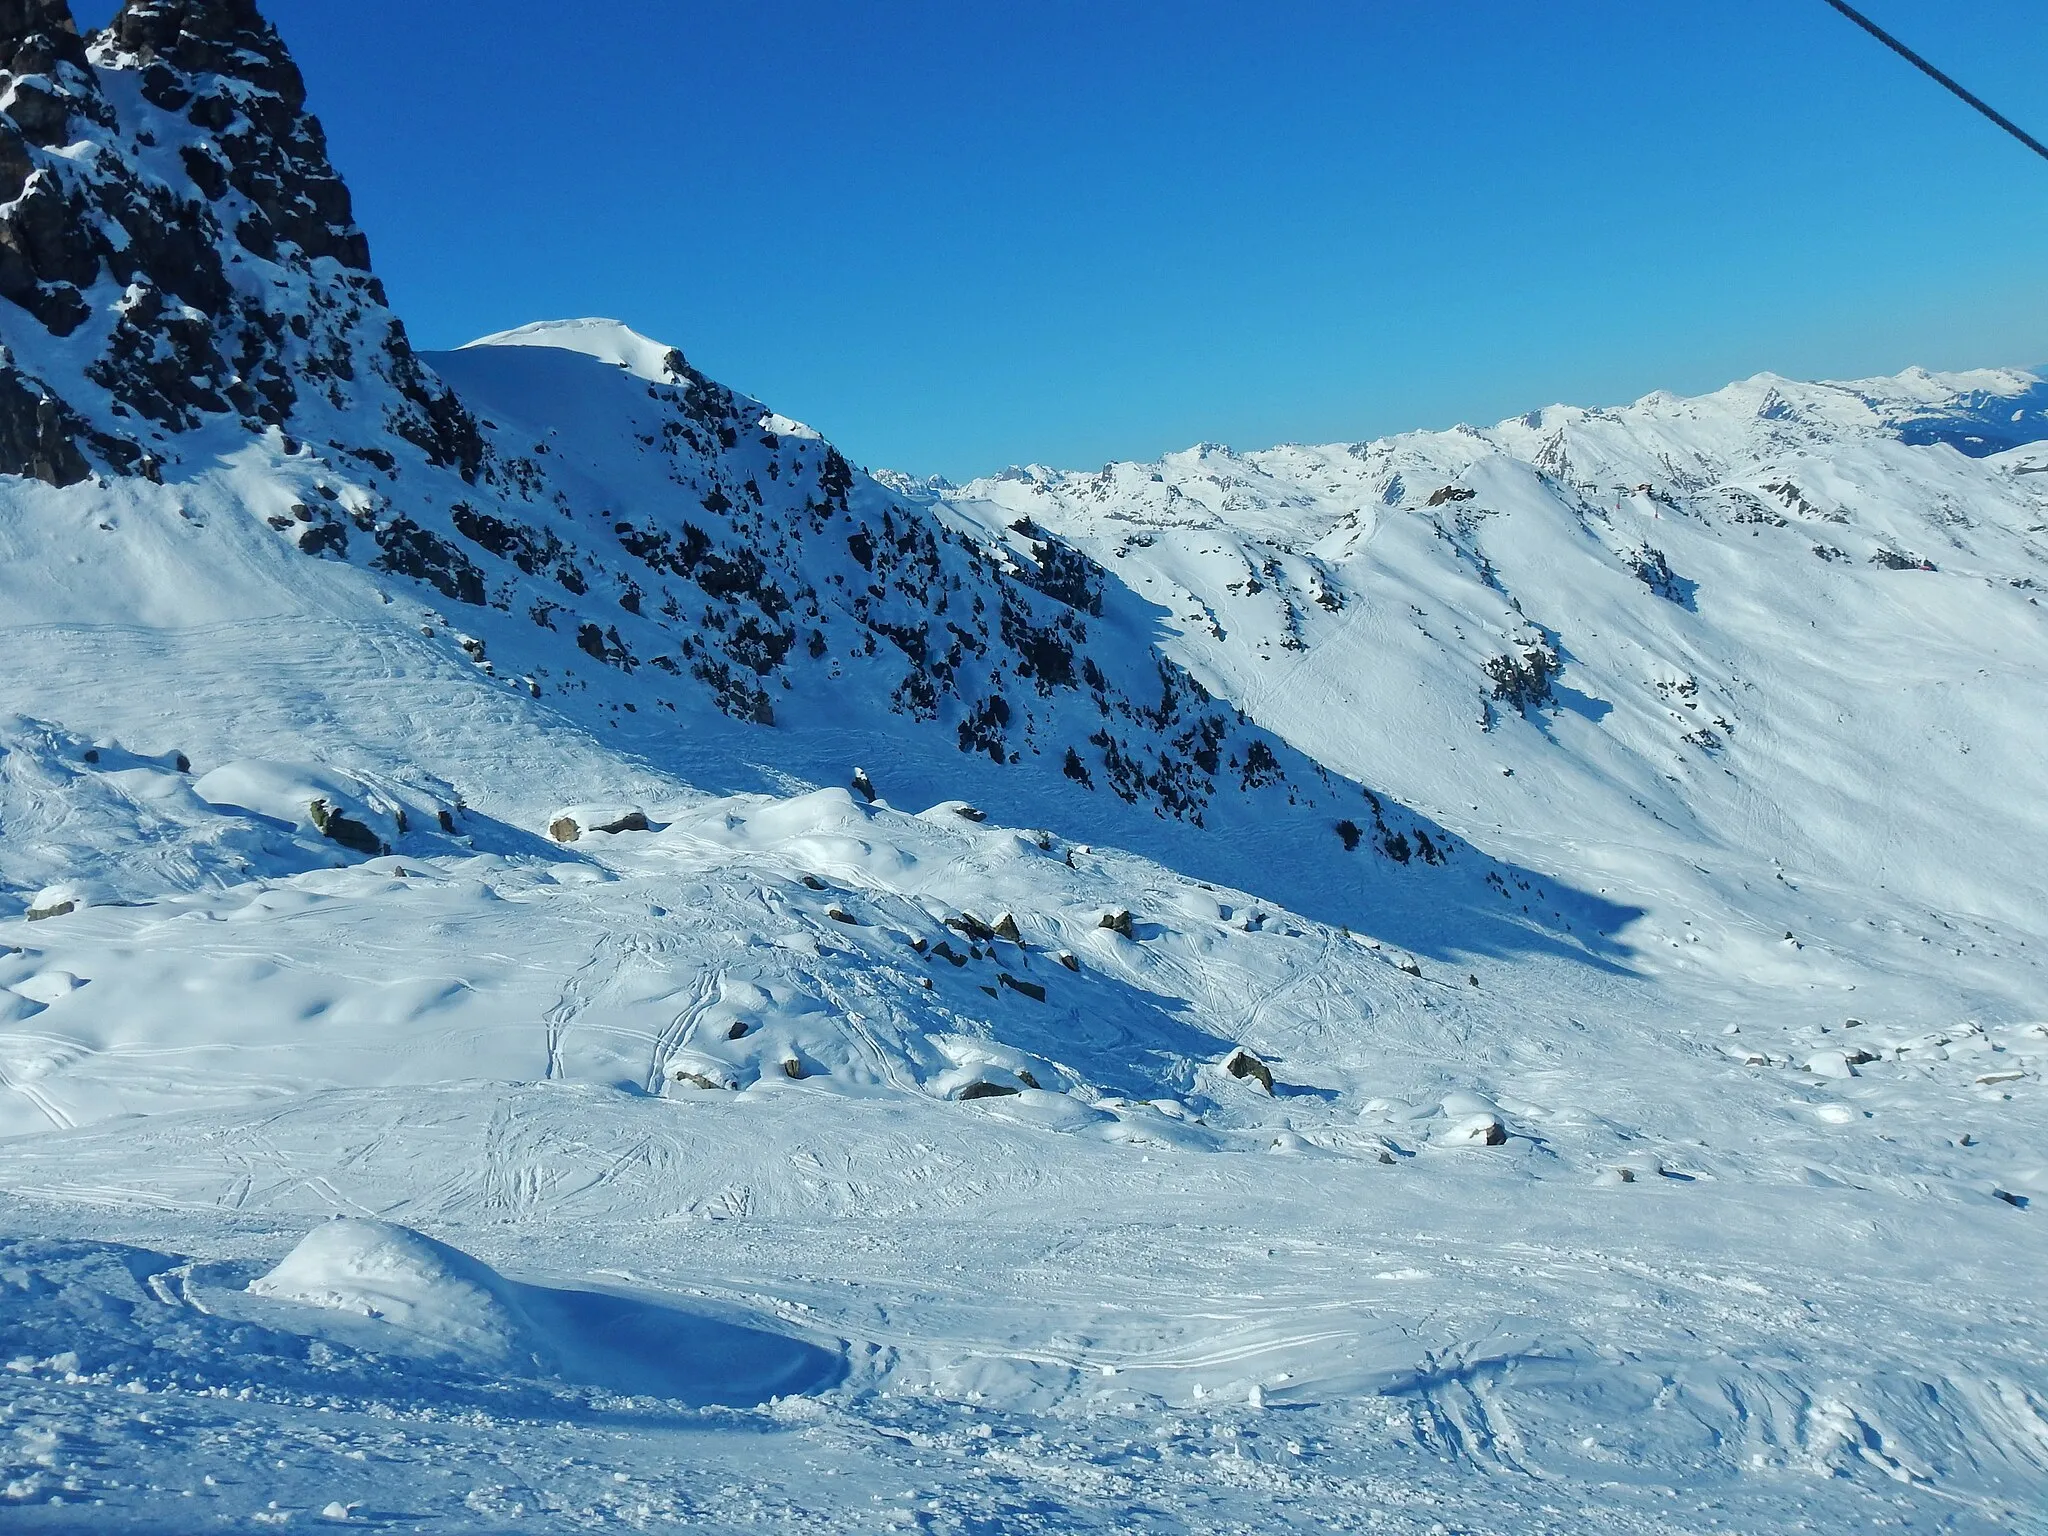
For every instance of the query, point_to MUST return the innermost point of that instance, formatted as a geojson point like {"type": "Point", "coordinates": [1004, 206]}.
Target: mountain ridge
{"type": "Point", "coordinates": [683, 546]}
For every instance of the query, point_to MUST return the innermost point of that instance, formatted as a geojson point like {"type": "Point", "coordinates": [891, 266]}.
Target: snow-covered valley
{"type": "Point", "coordinates": [571, 959]}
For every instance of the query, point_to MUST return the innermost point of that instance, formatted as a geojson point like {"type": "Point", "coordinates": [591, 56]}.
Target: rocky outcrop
{"type": "Point", "coordinates": [197, 281]}
{"type": "Point", "coordinates": [47, 252]}
{"type": "Point", "coordinates": [224, 67]}
{"type": "Point", "coordinates": [38, 434]}
{"type": "Point", "coordinates": [570, 825]}
{"type": "Point", "coordinates": [337, 826]}
{"type": "Point", "coordinates": [1524, 678]}
{"type": "Point", "coordinates": [1246, 1067]}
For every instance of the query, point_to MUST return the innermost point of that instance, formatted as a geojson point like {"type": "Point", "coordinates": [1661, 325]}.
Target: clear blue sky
{"type": "Point", "coordinates": [956, 235]}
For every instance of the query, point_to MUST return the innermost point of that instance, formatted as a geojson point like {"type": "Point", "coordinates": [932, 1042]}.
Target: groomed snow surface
{"type": "Point", "coordinates": [426, 1106]}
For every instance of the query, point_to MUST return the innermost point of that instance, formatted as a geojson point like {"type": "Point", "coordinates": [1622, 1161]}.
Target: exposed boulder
{"type": "Point", "coordinates": [973, 927]}
{"type": "Point", "coordinates": [577, 821]}
{"type": "Point", "coordinates": [1246, 1067]}
{"type": "Point", "coordinates": [337, 826]}
{"type": "Point", "coordinates": [1120, 922]}
{"type": "Point", "coordinates": [1482, 1130]}
{"type": "Point", "coordinates": [984, 1090]}
{"type": "Point", "coordinates": [701, 1073]}
{"type": "Point", "coordinates": [1030, 989]}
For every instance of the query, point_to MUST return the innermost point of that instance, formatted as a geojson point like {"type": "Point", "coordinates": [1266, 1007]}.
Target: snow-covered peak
{"type": "Point", "coordinates": [609, 341]}
{"type": "Point", "coordinates": [923, 488]}
{"type": "Point", "coordinates": [1979, 413]}
{"type": "Point", "coordinates": [1971, 409]}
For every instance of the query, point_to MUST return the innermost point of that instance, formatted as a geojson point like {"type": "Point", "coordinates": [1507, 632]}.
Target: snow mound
{"type": "Point", "coordinates": [430, 1300]}
{"type": "Point", "coordinates": [609, 341]}
{"type": "Point", "coordinates": [439, 1297]}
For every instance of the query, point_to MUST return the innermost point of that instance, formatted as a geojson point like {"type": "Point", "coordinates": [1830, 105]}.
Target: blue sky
{"type": "Point", "coordinates": [957, 235]}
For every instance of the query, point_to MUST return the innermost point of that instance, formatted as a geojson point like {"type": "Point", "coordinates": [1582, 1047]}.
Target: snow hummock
{"type": "Point", "coordinates": [397, 1291]}
{"type": "Point", "coordinates": [437, 1296]}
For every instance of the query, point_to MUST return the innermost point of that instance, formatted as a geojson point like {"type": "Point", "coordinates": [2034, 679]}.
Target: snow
{"type": "Point", "coordinates": [1654, 1135]}
{"type": "Point", "coordinates": [1555, 1252]}
{"type": "Point", "coordinates": [423, 1298]}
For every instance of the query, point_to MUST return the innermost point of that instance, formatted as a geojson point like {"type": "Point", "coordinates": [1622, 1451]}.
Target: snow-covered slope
{"type": "Point", "coordinates": [1770, 660]}
{"type": "Point", "coordinates": [1486, 981]}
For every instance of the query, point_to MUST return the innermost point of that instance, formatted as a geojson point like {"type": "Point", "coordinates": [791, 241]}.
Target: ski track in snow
{"type": "Point", "coordinates": [1655, 1136]}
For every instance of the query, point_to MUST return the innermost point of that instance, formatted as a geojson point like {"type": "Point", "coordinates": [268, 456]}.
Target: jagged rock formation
{"type": "Point", "coordinates": [200, 265]}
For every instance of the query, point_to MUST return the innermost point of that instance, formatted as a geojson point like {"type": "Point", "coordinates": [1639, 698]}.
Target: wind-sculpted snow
{"type": "Point", "coordinates": [1488, 981]}
{"type": "Point", "coordinates": [415, 1296]}
{"type": "Point", "coordinates": [1042, 1343]}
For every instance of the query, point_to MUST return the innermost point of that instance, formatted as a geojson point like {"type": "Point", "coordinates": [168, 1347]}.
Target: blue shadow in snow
{"type": "Point", "coordinates": [1582, 704]}
{"type": "Point", "coordinates": [644, 1348]}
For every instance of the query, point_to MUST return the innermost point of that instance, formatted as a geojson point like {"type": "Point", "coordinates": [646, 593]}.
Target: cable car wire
{"type": "Point", "coordinates": [1941, 79]}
